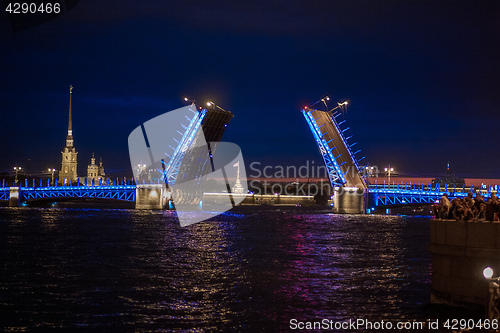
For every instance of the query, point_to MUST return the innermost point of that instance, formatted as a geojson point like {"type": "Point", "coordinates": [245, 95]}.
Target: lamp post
{"type": "Point", "coordinates": [493, 294]}
{"type": "Point", "coordinates": [188, 100]}
{"type": "Point", "coordinates": [324, 100]}
{"type": "Point", "coordinates": [16, 169]}
{"type": "Point", "coordinates": [52, 178]}
{"type": "Point", "coordinates": [213, 105]}
{"type": "Point", "coordinates": [389, 170]}
{"type": "Point", "coordinates": [371, 172]}
{"type": "Point", "coordinates": [339, 105]}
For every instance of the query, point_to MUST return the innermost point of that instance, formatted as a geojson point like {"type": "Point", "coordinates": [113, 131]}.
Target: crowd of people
{"type": "Point", "coordinates": [468, 208]}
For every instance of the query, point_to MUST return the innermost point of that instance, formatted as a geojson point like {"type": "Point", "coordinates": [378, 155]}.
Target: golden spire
{"type": "Point", "coordinates": [70, 123]}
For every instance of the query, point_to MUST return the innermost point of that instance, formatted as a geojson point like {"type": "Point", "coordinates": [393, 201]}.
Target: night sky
{"type": "Point", "coordinates": [422, 78]}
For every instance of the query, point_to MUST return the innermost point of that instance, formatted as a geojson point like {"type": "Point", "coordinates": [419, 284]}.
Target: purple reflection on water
{"type": "Point", "coordinates": [246, 270]}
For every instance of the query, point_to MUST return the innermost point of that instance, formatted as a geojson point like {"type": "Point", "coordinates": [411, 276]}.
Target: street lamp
{"type": "Point", "coordinates": [493, 294]}
{"type": "Point", "coordinates": [389, 170]}
{"type": "Point", "coordinates": [324, 100]}
{"type": "Point", "coordinates": [188, 100]}
{"type": "Point", "coordinates": [370, 171]}
{"type": "Point", "coordinates": [16, 169]}
{"type": "Point", "coordinates": [488, 272]}
{"type": "Point", "coordinates": [339, 106]}
{"type": "Point", "coordinates": [213, 105]}
{"type": "Point", "coordinates": [140, 168]}
{"type": "Point", "coordinates": [52, 179]}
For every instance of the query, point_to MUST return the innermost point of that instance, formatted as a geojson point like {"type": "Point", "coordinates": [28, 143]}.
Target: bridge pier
{"type": "Point", "coordinates": [151, 196]}
{"type": "Point", "coordinates": [15, 197]}
{"type": "Point", "coordinates": [349, 200]}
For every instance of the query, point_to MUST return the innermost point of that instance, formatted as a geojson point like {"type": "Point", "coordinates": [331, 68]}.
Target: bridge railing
{"type": "Point", "coordinates": [404, 194]}
{"type": "Point", "coordinates": [4, 193]}
{"type": "Point", "coordinates": [118, 192]}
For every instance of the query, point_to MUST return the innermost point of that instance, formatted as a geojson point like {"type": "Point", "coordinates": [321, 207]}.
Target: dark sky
{"type": "Point", "coordinates": [422, 78]}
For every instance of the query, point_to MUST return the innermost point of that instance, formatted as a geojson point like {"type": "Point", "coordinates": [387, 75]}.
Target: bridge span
{"type": "Point", "coordinates": [352, 193]}
{"type": "Point", "coordinates": [345, 174]}
{"type": "Point", "coordinates": [418, 194]}
{"type": "Point", "coordinates": [144, 195]}
{"type": "Point", "coordinates": [17, 196]}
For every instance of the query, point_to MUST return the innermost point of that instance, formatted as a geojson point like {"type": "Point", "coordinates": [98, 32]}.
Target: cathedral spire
{"type": "Point", "coordinates": [70, 121]}
{"type": "Point", "coordinates": [68, 173]}
{"type": "Point", "coordinates": [69, 138]}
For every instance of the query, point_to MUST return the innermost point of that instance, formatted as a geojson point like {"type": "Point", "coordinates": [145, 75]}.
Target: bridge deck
{"type": "Point", "coordinates": [397, 195]}
{"type": "Point", "coordinates": [342, 166]}
{"type": "Point", "coordinates": [379, 195]}
{"type": "Point", "coordinates": [125, 192]}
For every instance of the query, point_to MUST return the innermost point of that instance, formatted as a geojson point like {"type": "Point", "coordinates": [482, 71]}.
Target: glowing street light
{"type": "Point", "coordinates": [189, 100]}
{"type": "Point", "coordinates": [389, 170]}
{"type": "Point", "coordinates": [339, 106]}
{"type": "Point", "coordinates": [213, 105]}
{"type": "Point", "coordinates": [494, 293]}
{"type": "Point", "coordinates": [16, 169]}
{"type": "Point", "coordinates": [141, 168]}
{"type": "Point", "coordinates": [324, 99]}
{"type": "Point", "coordinates": [52, 178]}
{"type": "Point", "coordinates": [488, 272]}
{"type": "Point", "coordinates": [370, 171]}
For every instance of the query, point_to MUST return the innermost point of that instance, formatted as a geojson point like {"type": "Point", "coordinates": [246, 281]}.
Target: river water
{"type": "Point", "coordinates": [251, 269]}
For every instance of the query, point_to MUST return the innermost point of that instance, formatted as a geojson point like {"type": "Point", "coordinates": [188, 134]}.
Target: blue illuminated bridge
{"type": "Point", "coordinates": [59, 193]}
{"type": "Point", "coordinates": [191, 126]}
{"type": "Point", "coordinates": [418, 194]}
{"type": "Point", "coordinates": [353, 193]}
{"type": "Point", "coordinates": [379, 196]}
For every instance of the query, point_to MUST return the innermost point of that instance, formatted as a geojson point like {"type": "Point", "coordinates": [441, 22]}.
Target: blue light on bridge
{"type": "Point", "coordinates": [334, 172]}
{"type": "Point", "coordinates": [386, 196]}
{"type": "Point", "coordinates": [125, 193]}
{"type": "Point", "coordinates": [173, 165]}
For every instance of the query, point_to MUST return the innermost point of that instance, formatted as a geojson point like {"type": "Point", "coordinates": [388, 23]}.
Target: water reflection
{"type": "Point", "coordinates": [242, 271]}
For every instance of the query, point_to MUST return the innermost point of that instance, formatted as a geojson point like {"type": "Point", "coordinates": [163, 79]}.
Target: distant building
{"type": "Point", "coordinates": [238, 188]}
{"type": "Point", "coordinates": [95, 172]}
{"type": "Point", "coordinates": [448, 178]}
{"type": "Point", "coordinates": [69, 165]}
